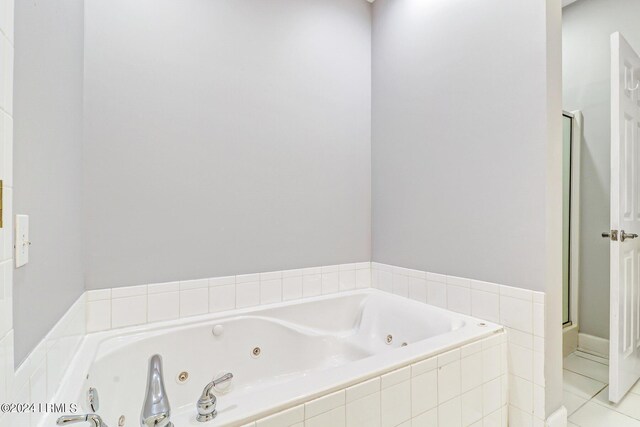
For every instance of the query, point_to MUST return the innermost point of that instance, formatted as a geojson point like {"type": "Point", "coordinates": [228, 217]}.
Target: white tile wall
{"type": "Point", "coordinates": [36, 380]}
{"type": "Point", "coordinates": [409, 397]}
{"type": "Point", "coordinates": [134, 305]}
{"type": "Point", "coordinates": [520, 310]}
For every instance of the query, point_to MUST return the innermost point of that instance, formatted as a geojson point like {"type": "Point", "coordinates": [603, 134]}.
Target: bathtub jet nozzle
{"type": "Point", "coordinates": [156, 411]}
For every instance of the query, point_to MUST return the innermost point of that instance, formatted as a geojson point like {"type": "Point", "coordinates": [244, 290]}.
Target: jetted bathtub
{"type": "Point", "coordinates": [280, 355]}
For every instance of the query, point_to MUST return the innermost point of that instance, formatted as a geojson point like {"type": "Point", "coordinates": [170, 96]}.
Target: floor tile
{"type": "Point", "coordinates": [572, 402]}
{"type": "Point", "coordinates": [586, 367]}
{"type": "Point", "coordinates": [636, 388]}
{"type": "Point", "coordinates": [629, 405]}
{"type": "Point", "coordinates": [580, 385]}
{"type": "Point", "coordinates": [595, 415]}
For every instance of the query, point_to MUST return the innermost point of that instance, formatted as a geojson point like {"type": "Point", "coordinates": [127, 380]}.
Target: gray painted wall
{"type": "Point", "coordinates": [225, 137]}
{"type": "Point", "coordinates": [586, 27]}
{"type": "Point", "coordinates": [460, 138]}
{"type": "Point", "coordinates": [47, 163]}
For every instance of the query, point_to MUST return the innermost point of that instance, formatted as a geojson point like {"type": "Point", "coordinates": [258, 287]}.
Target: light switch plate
{"type": "Point", "coordinates": [22, 240]}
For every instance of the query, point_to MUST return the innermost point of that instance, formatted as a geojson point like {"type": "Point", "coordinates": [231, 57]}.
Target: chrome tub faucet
{"type": "Point", "coordinates": [207, 403]}
{"type": "Point", "coordinates": [94, 419]}
{"type": "Point", "coordinates": [156, 411]}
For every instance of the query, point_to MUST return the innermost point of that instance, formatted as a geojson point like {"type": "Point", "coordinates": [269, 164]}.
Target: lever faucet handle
{"type": "Point", "coordinates": [94, 419]}
{"type": "Point", "coordinates": [223, 379]}
{"type": "Point", "coordinates": [208, 402]}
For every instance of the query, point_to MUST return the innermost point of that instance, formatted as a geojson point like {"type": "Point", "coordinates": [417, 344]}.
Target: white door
{"type": "Point", "coordinates": [624, 350]}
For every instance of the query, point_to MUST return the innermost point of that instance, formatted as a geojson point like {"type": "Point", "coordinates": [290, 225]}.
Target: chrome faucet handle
{"type": "Point", "coordinates": [94, 419]}
{"type": "Point", "coordinates": [208, 402]}
{"type": "Point", "coordinates": [156, 411]}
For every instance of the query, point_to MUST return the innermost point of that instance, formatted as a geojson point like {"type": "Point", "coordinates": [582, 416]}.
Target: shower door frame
{"type": "Point", "coordinates": [571, 327]}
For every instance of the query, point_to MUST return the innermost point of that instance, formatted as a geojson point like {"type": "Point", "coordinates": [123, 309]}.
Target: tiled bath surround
{"type": "Point", "coordinates": [38, 377]}
{"type": "Point", "coordinates": [135, 305]}
{"type": "Point", "coordinates": [521, 311]}
{"type": "Point", "coordinates": [462, 387]}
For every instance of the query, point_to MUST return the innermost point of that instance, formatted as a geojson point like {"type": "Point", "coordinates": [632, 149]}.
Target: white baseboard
{"type": "Point", "coordinates": [569, 340]}
{"type": "Point", "coordinates": [594, 345]}
{"type": "Point", "coordinates": [558, 418]}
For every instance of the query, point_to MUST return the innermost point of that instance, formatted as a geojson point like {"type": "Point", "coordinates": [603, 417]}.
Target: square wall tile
{"type": "Point", "coordinates": [491, 363]}
{"type": "Point", "coordinates": [471, 371]}
{"type": "Point", "coordinates": [516, 313]}
{"type": "Point", "coordinates": [163, 306]}
{"type": "Point", "coordinates": [194, 301]}
{"type": "Point", "coordinates": [363, 278]}
{"type": "Point", "coordinates": [292, 288]}
{"type": "Point", "coordinates": [418, 289]}
{"type": "Point", "coordinates": [222, 298]}
{"type": "Point", "coordinates": [311, 285]}
{"type": "Point", "coordinates": [437, 294]}
{"type": "Point", "coordinates": [395, 404]}
{"type": "Point", "coordinates": [485, 305]}
{"type": "Point", "coordinates": [521, 393]}
{"type": "Point", "coordinates": [448, 381]}
{"type": "Point", "coordinates": [471, 406]}
{"type": "Point", "coordinates": [424, 392]}
{"type": "Point", "coordinates": [347, 280]}
{"type": "Point", "coordinates": [459, 299]}
{"type": "Point", "coordinates": [98, 315]}
{"type": "Point", "coordinates": [330, 282]}
{"type": "Point", "coordinates": [400, 285]}
{"type": "Point", "coordinates": [450, 413]}
{"type": "Point", "coordinates": [128, 311]}
{"type": "Point", "coordinates": [270, 291]}
{"type": "Point", "coordinates": [520, 362]}
{"type": "Point", "coordinates": [491, 396]}
{"type": "Point", "coordinates": [364, 412]}
{"type": "Point", "coordinates": [385, 281]}
{"type": "Point", "coordinates": [247, 294]}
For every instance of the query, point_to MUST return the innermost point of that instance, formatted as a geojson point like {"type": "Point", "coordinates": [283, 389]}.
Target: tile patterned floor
{"type": "Point", "coordinates": [586, 391]}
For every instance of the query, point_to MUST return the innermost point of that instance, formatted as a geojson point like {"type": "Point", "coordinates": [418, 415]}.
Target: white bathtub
{"type": "Point", "coordinates": [307, 348]}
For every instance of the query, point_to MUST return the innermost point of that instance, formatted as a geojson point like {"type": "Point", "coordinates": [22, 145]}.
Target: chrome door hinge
{"type": "Point", "coordinates": [613, 235]}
